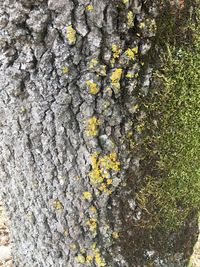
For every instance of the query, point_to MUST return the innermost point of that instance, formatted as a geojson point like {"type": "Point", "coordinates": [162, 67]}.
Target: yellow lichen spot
{"type": "Point", "coordinates": [129, 75]}
{"type": "Point", "coordinates": [142, 25]}
{"type": "Point", "coordinates": [125, 1]}
{"type": "Point", "coordinates": [73, 246]}
{"type": "Point", "coordinates": [57, 205]}
{"type": "Point", "coordinates": [116, 76]}
{"type": "Point", "coordinates": [103, 187]}
{"type": "Point", "coordinates": [130, 52]}
{"type": "Point", "coordinates": [80, 259]}
{"type": "Point", "coordinates": [112, 61]}
{"type": "Point", "coordinates": [93, 245]}
{"type": "Point", "coordinates": [92, 223]}
{"type": "Point", "coordinates": [110, 162]}
{"type": "Point", "coordinates": [135, 50]}
{"type": "Point", "coordinates": [66, 233]}
{"type": "Point", "coordinates": [87, 195]}
{"type": "Point", "coordinates": [130, 18]}
{"type": "Point", "coordinates": [116, 51]}
{"type": "Point", "coordinates": [65, 70]}
{"type": "Point", "coordinates": [93, 87]}
{"type": "Point", "coordinates": [95, 174]}
{"type": "Point", "coordinates": [93, 63]}
{"type": "Point", "coordinates": [101, 167]}
{"type": "Point", "coordinates": [23, 110]}
{"type": "Point", "coordinates": [98, 259]}
{"type": "Point", "coordinates": [109, 181]}
{"type": "Point", "coordinates": [114, 48]}
{"type": "Point", "coordinates": [89, 8]}
{"type": "Point", "coordinates": [71, 35]}
{"type": "Point", "coordinates": [89, 258]}
{"type": "Point", "coordinates": [93, 159]}
{"type": "Point", "coordinates": [115, 235]}
{"type": "Point", "coordinates": [92, 126]}
{"type": "Point", "coordinates": [113, 156]}
{"type": "Point", "coordinates": [82, 251]}
{"type": "Point", "coordinates": [93, 209]}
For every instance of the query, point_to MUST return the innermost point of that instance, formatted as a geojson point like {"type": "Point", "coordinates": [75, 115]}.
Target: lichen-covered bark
{"type": "Point", "coordinates": [71, 73]}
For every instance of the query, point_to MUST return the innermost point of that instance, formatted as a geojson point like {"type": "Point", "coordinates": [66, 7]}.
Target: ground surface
{"type": "Point", "coordinates": [5, 255]}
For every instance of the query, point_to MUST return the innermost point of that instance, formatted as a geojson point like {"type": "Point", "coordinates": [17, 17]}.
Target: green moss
{"type": "Point", "coordinates": [172, 189]}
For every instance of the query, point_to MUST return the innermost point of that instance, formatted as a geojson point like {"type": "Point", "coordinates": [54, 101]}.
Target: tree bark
{"type": "Point", "coordinates": [71, 71]}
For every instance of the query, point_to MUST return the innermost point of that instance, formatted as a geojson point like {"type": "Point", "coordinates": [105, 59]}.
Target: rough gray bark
{"type": "Point", "coordinates": [53, 54]}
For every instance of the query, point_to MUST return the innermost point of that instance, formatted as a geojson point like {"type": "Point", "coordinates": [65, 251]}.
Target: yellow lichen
{"type": "Point", "coordinates": [115, 235]}
{"type": "Point", "coordinates": [66, 233]}
{"type": "Point", "coordinates": [93, 209]}
{"type": "Point", "coordinates": [92, 223]}
{"type": "Point", "coordinates": [92, 125]}
{"type": "Point", "coordinates": [80, 259]}
{"type": "Point", "coordinates": [130, 52]}
{"type": "Point", "coordinates": [101, 170]}
{"type": "Point", "coordinates": [93, 63]}
{"type": "Point", "coordinates": [93, 87]}
{"type": "Point", "coordinates": [57, 205]}
{"type": "Point", "coordinates": [87, 195]}
{"type": "Point", "coordinates": [116, 76]}
{"type": "Point", "coordinates": [103, 187]}
{"type": "Point", "coordinates": [82, 251]}
{"type": "Point", "coordinates": [142, 25]}
{"type": "Point", "coordinates": [116, 51]}
{"type": "Point", "coordinates": [125, 1]}
{"type": "Point", "coordinates": [130, 18]}
{"type": "Point", "coordinates": [73, 246]}
{"type": "Point", "coordinates": [129, 75]}
{"type": "Point", "coordinates": [98, 259]}
{"type": "Point", "coordinates": [89, 258]}
{"type": "Point", "coordinates": [109, 181]}
{"type": "Point", "coordinates": [65, 70]}
{"type": "Point", "coordinates": [89, 8]}
{"type": "Point", "coordinates": [71, 35]}
{"type": "Point", "coordinates": [23, 110]}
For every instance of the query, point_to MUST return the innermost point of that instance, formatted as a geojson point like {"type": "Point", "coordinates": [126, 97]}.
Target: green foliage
{"type": "Point", "coordinates": [171, 192]}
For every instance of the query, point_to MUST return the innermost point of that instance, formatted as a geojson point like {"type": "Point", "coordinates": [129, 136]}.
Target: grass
{"type": "Point", "coordinates": [172, 189]}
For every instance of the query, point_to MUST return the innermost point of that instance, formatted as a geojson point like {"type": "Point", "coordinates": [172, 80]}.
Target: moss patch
{"type": "Point", "coordinates": [172, 189]}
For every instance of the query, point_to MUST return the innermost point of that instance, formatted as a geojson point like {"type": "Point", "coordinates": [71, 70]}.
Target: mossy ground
{"type": "Point", "coordinates": [172, 187]}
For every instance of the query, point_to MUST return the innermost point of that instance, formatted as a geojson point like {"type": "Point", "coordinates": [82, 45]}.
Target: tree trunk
{"type": "Point", "coordinates": [71, 71]}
